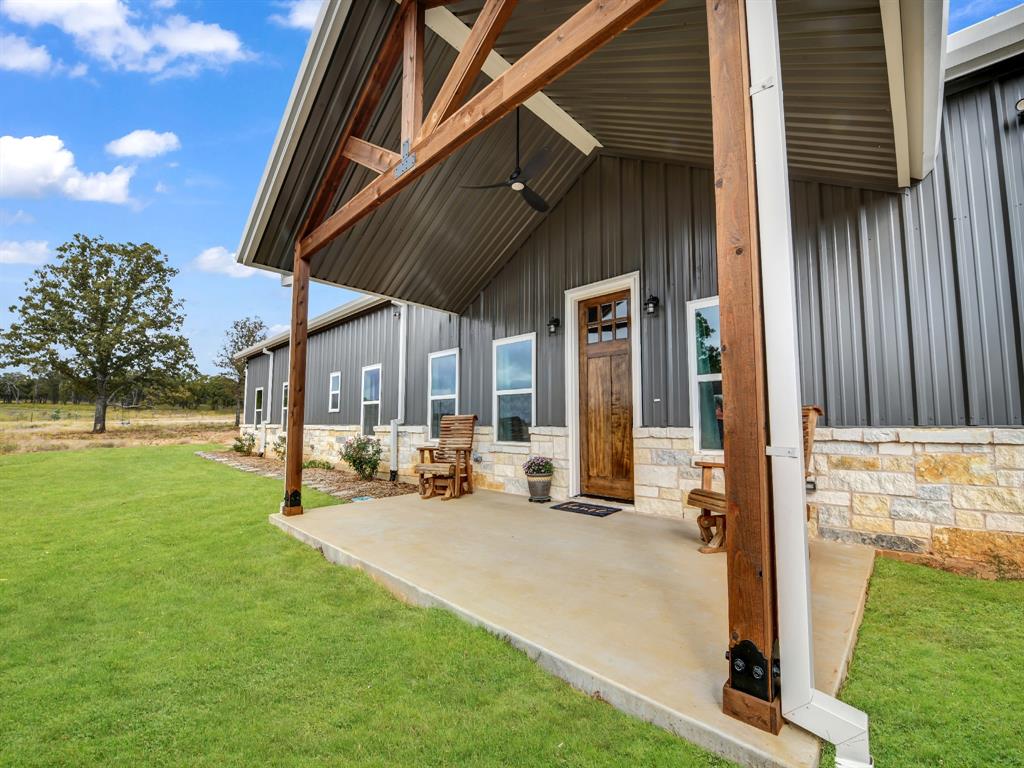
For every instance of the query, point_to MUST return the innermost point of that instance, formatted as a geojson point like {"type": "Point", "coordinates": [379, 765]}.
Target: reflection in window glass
{"type": "Point", "coordinates": [709, 344]}
{"type": "Point", "coordinates": [514, 365]}
{"type": "Point", "coordinates": [442, 386]}
{"type": "Point", "coordinates": [514, 416]}
{"type": "Point", "coordinates": [371, 399]}
{"type": "Point", "coordinates": [371, 384]}
{"type": "Point", "coordinates": [707, 408]}
{"type": "Point", "coordinates": [709, 397]}
{"type": "Point", "coordinates": [439, 408]}
{"type": "Point", "coordinates": [513, 389]}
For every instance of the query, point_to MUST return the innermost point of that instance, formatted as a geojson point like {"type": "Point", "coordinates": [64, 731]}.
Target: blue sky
{"type": "Point", "coordinates": [151, 120]}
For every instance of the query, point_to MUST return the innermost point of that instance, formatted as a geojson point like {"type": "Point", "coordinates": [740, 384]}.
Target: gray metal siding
{"type": "Point", "coordinates": [363, 340]}
{"type": "Point", "coordinates": [429, 331]}
{"type": "Point", "coordinates": [909, 305]}
{"type": "Point", "coordinates": [621, 216]}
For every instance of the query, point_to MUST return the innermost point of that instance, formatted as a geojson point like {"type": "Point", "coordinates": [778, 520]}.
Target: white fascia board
{"type": "Point", "coordinates": [322, 43]}
{"type": "Point", "coordinates": [892, 34]}
{"type": "Point", "coordinates": [447, 26]}
{"type": "Point", "coordinates": [924, 53]}
{"type": "Point", "coordinates": [985, 43]}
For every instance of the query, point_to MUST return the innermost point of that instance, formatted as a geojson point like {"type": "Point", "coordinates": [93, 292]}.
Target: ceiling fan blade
{"type": "Point", "coordinates": [535, 165]}
{"type": "Point", "coordinates": [534, 200]}
{"type": "Point", "coordinates": [485, 186]}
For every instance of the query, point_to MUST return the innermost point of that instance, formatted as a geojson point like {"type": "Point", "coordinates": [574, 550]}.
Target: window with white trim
{"type": "Point", "coordinates": [334, 396]}
{"type": "Point", "coordinates": [706, 404]}
{"type": "Point", "coordinates": [370, 398]}
{"type": "Point", "coordinates": [442, 388]}
{"type": "Point", "coordinates": [514, 373]}
{"type": "Point", "coordinates": [284, 405]}
{"type": "Point", "coordinates": [257, 410]}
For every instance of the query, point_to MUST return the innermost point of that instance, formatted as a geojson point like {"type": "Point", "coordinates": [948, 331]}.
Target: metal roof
{"type": "Point", "coordinates": [326, 320]}
{"type": "Point", "coordinates": [645, 94]}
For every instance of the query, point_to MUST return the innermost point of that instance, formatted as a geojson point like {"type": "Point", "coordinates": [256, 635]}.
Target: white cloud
{"type": "Point", "coordinates": [164, 4]}
{"type": "Point", "coordinates": [144, 143]}
{"type": "Point", "coordinates": [161, 188]}
{"type": "Point", "coordinates": [79, 70]}
{"type": "Point", "coordinates": [106, 30]}
{"type": "Point", "coordinates": [9, 219]}
{"type": "Point", "coordinates": [220, 260]}
{"type": "Point", "coordinates": [299, 14]}
{"type": "Point", "coordinates": [24, 251]}
{"type": "Point", "coordinates": [33, 166]}
{"type": "Point", "coordinates": [18, 55]}
{"type": "Point", "coordinates": [277, 328]}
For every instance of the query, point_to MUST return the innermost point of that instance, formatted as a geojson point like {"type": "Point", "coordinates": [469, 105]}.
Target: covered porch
{"type": "Point", "coordinates": [622, 607]}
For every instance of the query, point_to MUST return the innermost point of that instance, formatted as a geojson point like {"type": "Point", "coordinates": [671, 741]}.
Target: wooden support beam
{"type": "Point", "coordinates": [369, 155]}
{"type": "Point", "coordinates": [296, 385]}
{"type": "Point", "coordinates": [489, 23]}
{"type": "Point", "coordinates": [747, 695]}
{"type": "Point", "coordinates": [412, 73]}
{"type": "Point", "coordinates": [359, 120]}
{"type": "Point", "coordinates": [587, 30]}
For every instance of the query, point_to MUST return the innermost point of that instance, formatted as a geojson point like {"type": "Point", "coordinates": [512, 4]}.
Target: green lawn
{"type": "Point", "coordinates": [149, 615]}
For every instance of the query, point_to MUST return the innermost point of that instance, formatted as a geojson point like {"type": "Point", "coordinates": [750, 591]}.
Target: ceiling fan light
{"type": "Point", "coordinates": [518, 186]}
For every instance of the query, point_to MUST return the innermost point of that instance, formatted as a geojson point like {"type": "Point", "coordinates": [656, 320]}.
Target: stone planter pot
{"type": "Point", "coordinates": [540, 487]}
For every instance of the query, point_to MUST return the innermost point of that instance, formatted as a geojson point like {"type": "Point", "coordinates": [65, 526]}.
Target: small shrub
{"type": "Point", "coordinates": [8, 448]}
{"type": "Point", "coordinates": [316, 464]}
{"type": "Point", "coordinates": [280, 447]}
{"type": "Point", "coordinates": [55, 414]}
{"type": "Point", "coordinates": [245, 444]}
{"type": "Point", "coordinates": [538, 465]}
{"type": "Point", "coordinates": [362, 453]}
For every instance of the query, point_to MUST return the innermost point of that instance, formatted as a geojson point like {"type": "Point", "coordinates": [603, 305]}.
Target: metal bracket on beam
{"type": "Point", "coordinates": [783, 451]}
{"type": "Point", "coordinates": [764, 85]}
{"type": "Point", "coordinates": [408, 161]}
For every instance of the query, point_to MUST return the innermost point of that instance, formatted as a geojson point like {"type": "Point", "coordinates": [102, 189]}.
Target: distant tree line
{"type": "Point", "coordinates": [198, 392]}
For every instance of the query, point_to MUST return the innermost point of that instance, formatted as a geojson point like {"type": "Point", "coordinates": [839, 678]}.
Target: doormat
{"type": "Point", "coordinates": [594, 510]}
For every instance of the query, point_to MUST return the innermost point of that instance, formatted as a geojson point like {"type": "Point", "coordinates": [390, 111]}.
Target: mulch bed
{"type": "Point", "coordinates": [335, 482]}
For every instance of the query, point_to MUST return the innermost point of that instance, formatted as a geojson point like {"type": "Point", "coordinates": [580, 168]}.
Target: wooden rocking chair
{"type": "Point", "coordinates": [449, 464]}
{"type": "Point", "coordinates": [711, 503]}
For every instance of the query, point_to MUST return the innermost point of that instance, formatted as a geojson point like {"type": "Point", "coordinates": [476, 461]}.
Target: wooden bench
{"type": "Point", "coordinates": [449, 464]}
{"type": "Point", "coordinates": [711, 503]}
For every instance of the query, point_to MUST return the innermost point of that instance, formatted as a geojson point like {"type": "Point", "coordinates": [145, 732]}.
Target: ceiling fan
{"type": "Point", "coordinates": [522, 174]}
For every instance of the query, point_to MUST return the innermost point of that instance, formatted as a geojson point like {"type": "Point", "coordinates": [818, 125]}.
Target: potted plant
{"type": "Point", "coordinates": [538, 471]}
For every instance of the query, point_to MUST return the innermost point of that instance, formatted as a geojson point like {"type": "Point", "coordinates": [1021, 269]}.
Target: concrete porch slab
{"type": "Point", "coordinates": [623, 606]}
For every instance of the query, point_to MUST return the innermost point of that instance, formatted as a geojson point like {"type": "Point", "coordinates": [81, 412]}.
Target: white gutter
{"type": "Point", "coordinates": [923, 26]}
{"type": "Point", "coordinates": [270, 393]}
{"type": "Point", "coordinates": [817, 712]}
{"type": "Point", "coordinates": [403, 343]}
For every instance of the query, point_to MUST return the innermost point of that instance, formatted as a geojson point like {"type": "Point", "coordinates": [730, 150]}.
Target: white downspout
{"type": "Point", "coordinates": [817, 712]}
{"type": "Point", "coordinates": [270, 394]}
{"type": "Point", "coordinates": [403, 331]}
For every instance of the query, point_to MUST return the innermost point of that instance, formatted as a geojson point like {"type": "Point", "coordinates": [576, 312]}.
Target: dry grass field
{"type": "Point", "coordinates": [29, 427]}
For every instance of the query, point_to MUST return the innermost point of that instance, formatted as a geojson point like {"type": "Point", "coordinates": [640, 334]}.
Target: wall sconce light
{"type": "Point", "coordinates": [651, 305]}
{"type": "Point", "coordinates": [553, 324]}
{"type": "Point", "coordinates": [1020, 108]}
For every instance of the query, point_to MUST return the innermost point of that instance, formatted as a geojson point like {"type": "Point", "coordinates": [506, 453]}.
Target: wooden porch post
{"type": "Point", "coordinates": [296, 385]}
{"type": "Point", "coordinates": [751, 692]}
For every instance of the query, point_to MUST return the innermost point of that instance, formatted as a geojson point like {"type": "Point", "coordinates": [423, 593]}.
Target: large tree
{"type": "Point", "coordinates": [102, 316]}
{"type": "Point", "coordinates": [242, 334]}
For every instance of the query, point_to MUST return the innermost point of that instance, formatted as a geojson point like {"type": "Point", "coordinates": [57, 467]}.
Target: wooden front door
{"type": "Point", "coordinates": [606, 396]}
